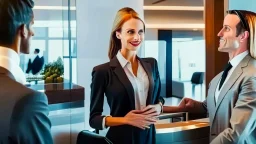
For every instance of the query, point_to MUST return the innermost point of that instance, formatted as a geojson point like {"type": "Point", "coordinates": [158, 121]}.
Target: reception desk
{"type": "Point", "coordinates": [62, 95]}
{"type": "Point", "coordinates": [185, 132]}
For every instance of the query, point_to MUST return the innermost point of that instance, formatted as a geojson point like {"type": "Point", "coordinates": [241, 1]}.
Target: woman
{"type": "Point", "coordinates": [131, 85]}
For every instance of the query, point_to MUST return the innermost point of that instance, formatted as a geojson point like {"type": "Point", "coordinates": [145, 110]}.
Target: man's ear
{"type": "Point", "coordinates": [23, 31]}
{"type": "Point", "coordinates": [245, 36]}
{"type": "Point", "coordinates": [118, 35]}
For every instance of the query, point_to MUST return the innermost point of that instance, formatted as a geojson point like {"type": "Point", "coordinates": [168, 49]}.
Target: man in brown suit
{"type": "Point", "coordinates": [231, 100]}
{"type": "Point", "coordinates": [23, 111]}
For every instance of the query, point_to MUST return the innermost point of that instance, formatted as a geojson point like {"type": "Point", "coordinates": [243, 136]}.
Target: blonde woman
{"type": "Point", "coordinates": [130, 84]}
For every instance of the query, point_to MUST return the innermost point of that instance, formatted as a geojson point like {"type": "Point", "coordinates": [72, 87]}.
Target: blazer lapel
{"type": "Point", "coordinates": [147, 67]}
{"type": "Point", "coordinates": [232, 79]}
{"type": "Point", "coordinates": [120, 73]}
{"type": "Point", "coordinates": [213, 89]}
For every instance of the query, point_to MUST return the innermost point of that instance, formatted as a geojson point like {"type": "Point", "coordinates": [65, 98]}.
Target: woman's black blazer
{"type": "Point", "coordinates": [111, 80]}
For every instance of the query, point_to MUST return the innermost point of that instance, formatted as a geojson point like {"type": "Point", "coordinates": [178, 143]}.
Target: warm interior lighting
{"type": "Point", "coordinates": [181, 39]}
{"type": "Point", "coordinates": [54, 7]}
{"type": "Point", "coordinates": [41, 91]}
{"type": "Point", "coordinates": [176, 26]}
{"type": "Point", "coordinates": [182, 8]}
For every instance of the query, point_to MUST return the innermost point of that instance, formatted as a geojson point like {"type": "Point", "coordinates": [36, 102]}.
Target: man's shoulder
{"type": "Point", "coordinates": [32, 104]}
{"type": "Point", "coordinates": [250, 69]}
{"type": "Point", "coordinates": [33, 97]}
{"type": "Point", "coordinates": [22, 92]}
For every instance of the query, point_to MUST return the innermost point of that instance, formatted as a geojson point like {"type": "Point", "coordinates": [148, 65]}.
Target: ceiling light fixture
{"type": "Point", "coordinates": [176, 26]}
{"type": "Point", "coordinates": [54, 8]}
{"type": "Point", "coordinates": [182, 8]}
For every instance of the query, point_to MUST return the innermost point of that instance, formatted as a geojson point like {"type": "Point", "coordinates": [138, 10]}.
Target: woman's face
{"type": "Point", "coordinates": [131, 34]}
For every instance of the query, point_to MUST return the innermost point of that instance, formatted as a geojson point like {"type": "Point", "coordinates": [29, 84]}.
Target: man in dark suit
{"type": "Point", "coordinates": [231, 100]}
{"type": "Point", "coordinates": [23, 112]}
{"type": "Point", "coordinates": [37, 64]}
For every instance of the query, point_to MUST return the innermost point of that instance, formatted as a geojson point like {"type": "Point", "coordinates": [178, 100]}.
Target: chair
{"type": "Point", "coordinates": [197, 79]}
{"type": "Point", "coordinates": [88, 137]}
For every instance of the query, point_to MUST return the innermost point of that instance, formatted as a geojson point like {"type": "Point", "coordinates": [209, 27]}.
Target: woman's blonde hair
{"type": "Point", "coordinates": [251, 20]}
{"type": "Point", "coordinates": [122, 16]}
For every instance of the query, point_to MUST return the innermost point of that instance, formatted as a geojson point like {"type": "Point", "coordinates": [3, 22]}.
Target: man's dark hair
{"type": "Point", "coordinates": [13, 13]}
{"type": "Point", "coordinates": [37, 50]}
{"type": "Point", "coordinates": [243, 15]}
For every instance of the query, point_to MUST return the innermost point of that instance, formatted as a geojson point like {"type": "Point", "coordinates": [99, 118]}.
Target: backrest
{"type": "Point", "coordinates": [91, 138]}
{"type": "Point", "coordinates": [197, 78]}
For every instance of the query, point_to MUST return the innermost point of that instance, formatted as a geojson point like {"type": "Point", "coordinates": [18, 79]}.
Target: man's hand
{"type": "Point", "coordinates": [186, 104]}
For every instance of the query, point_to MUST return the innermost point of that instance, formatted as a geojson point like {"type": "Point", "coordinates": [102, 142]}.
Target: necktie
{"type": "Point", "coordinates": [225, 73]}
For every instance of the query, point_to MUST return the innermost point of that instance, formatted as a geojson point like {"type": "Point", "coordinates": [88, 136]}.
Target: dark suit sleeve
{"type": "Point", "coordinates": [97, 98]}
{"type": "Point", "coordinates": [158, 81]}
{"type": "Point", "coordinates": [29, 122]}
{"type": "Point", "coordinates": [242, 120]}
{"type": "Point", "coordinates": [199, 107]}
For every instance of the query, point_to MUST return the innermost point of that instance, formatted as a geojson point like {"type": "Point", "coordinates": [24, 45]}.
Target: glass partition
{"type": "Point", "coordinates": [55, 37]}
{"type": "Point", "coordinates": [55, 41]}
{"type": "Point", "coordinates": [157, 50]}
{"type": "Point", "coordinates": [188, 59]}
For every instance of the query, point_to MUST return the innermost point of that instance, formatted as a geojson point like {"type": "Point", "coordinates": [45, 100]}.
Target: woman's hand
{"type": "Point", "coordinates": [153, 110]}
{"type": "Point", "coordinates": [137, 119]}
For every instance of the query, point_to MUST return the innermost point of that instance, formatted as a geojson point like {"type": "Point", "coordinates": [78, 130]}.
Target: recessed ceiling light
{"type": "Point", "coordinates": [54, 7]}
{"type": "Point", "coordinates": [183, 8]}
{"type": "Point", "coordinates": [177, 26]}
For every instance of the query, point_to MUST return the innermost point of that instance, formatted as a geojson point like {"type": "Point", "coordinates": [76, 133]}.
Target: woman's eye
{"type": "Point", "coordinates": [141, 32]}
{"type": "Point", "coordinates": [130, 32]}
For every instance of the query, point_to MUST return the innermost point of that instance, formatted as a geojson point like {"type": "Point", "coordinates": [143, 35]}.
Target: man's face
{"type": "Point", "coordinates": [27, 34]}
{"type": "Point", "coordinates": [229, 41]}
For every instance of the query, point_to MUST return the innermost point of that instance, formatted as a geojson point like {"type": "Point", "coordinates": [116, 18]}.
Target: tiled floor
{"type": "Point", "coordinates": [66, 124]}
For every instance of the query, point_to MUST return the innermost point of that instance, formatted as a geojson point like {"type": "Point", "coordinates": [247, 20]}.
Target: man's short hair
{"type": "Point", "coordinates": [13, 13]}
{"type": "Point", "coordinates": [242, 25]}
{"type": "Point", "coordinates": [37, 50]}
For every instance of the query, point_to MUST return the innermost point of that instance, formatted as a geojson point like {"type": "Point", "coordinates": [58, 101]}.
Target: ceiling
{"type": "Point", "coordinates": [179, 15]}
{"type": "Point", "coordinates": [175, 3]}
{"type": "Point", "coordinates": [159, 19]}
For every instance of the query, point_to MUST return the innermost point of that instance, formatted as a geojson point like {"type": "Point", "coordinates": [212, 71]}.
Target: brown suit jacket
{"type": "Point", "coordinates": [24, 113]}
{"type": "Point", "coordinates": [233, 117]}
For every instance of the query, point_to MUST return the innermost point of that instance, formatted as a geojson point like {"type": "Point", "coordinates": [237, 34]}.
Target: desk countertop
{"type": "Point", "coordinates": [182, 126]}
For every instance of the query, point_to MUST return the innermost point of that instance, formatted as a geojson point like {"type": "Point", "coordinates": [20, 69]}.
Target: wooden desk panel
{"type": "Point", "coordinates": [60, 92]}
{"type": "Point", "coordinates": [187, 132]}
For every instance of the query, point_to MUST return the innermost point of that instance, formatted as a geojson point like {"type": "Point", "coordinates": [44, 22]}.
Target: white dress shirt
{"type": "Point", "coordinates": [140, 83]}
{"type": "Point", "coordinates": [10, 60]}
{"type": "Point", "coordinates": [234, 62]}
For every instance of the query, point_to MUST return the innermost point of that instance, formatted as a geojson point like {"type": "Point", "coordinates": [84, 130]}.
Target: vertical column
{"type": "Point", "coordinates": [166, 36]}
{"type": "Point", "coordinates": [94, 24]}
{"type": "Point", "coordinates": [215, 60]}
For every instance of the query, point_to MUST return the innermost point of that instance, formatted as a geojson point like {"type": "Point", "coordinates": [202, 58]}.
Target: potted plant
{"type": "Point", "coordinates": [53, 72]}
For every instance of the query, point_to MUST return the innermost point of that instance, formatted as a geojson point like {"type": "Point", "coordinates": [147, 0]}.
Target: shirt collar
{"type": "Point", "coordinates": [10, 53]}
{"type": "Point", "coordinates": [10, 60]}
{"type": "Point", "coordinates": [237, 59]}
{"type": "Point", "coordinates": [121, 59]}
